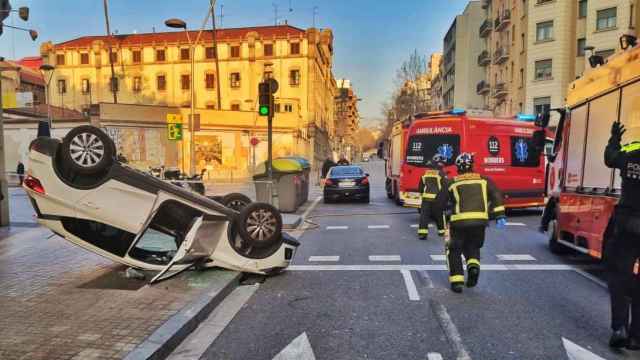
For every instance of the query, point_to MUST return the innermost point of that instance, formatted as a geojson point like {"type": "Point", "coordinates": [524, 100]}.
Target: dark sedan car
{"type": "Point", "coordinates": [346, 182]}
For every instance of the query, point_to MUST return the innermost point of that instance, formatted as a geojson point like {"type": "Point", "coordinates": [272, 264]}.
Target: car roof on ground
{"type": "Point", "coordinates": [347, 169]}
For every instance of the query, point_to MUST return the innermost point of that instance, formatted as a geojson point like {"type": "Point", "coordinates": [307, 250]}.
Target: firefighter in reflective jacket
{"type": "Point", "coordinates": [472, 200]}
{"type": "Point", "coordinates": [623, 249]}
{"type": "Point", "coordinates": [432, 206]}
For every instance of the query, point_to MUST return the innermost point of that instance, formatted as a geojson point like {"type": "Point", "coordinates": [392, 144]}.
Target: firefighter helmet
{"type": "Point", "coordinates": [464, 162]}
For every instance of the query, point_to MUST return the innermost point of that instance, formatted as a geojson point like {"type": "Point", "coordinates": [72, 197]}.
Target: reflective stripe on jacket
{"type": "Point", "coordinates": [474, 199]}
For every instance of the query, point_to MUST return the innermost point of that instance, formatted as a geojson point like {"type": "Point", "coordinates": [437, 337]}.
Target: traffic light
{"type": "Point", "coordinates": [264, 99]}
{"type": "Point", "coordinates": [174, 131]}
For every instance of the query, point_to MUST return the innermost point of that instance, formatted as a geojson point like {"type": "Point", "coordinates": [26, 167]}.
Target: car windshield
{"type": "Point", "coordinates": [346, 171]}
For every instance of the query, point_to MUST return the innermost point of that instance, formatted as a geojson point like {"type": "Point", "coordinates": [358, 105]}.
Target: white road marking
{"type": "Point", "coordinates": [194, 346]}
{"type": "Point", "coordinates": [411, 286]}
{"type": "Point", "coordinates": [443, 267]}
{"type": "Point", "coordinates": [337, 227]}
{"type": "Point", "coordinates": [576, 352]}
{"type": "Point", "coordinates": [298, 349]}
{"type": "Point", "coordinates": [378, 227]}
{"type": "Point", "coordinates": [592, 278]}
{"type": "Point", "coordinates": [450, 330]}
{"type": "Point", "coordinates": [516, 257]}
{"type": "Point", "coordinates": [434, 356]}
{"type": "Point", "coordinates": [311, 207]}
{"type": "Point", "coordinates": [440, 257]}
{"type": "Point", "coordinates": [516, 224]}
{"type": "Point", "coordinates": [384, 258]}
{"type": "Point", "coordinates": [324, 258]}
{"type": "Point", "coordinates": [415, 226]}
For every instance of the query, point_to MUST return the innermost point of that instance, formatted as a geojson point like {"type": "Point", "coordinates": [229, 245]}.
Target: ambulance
{"type": "Point", "coordinates": [503, 148]}
{"type": "Point", "coordinates": [583, 191]}
{"type": "Point", "coordinates": [394, 156]}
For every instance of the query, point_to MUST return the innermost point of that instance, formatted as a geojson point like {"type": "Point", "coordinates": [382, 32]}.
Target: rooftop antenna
{"type": "Point", "coordinates": [275, 11]}
{"type": "Point", "coordinates": [315, 14]}
{"type": "Point", "coordinates": [290, 7]}
{"type": "Point", "coordinates": [221, 14]}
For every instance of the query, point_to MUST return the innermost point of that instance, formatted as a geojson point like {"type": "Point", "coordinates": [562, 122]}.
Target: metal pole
{"type": "Point", "coordinates": [192, 144]}
{"type": "Point", "coordinates": [106, 17]}
{"type": "Point", "coordinates": [215, 54]}
{"type": "Point", "coordinates": [4, 205]}
{"type": "Point", "coordinates": [270, 134]}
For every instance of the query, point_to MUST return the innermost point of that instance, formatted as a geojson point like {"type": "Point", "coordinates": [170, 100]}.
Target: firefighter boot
{"type": "Point", "coordinates": [457, 283]}
{"type": "Point", "coordinates": [423, 234]}
{"type": "Point", "coordinates": [619, 338]}
{"type": "Point", "coordinates": [473, 272]}
{"type": "Point", "coordinates": [633, 343]}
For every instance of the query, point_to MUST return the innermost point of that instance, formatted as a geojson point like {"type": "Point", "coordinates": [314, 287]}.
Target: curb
{"type": "Point", "coordinates": [169, 335]}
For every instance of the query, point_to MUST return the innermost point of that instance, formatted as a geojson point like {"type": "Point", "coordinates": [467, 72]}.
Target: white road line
{"type": "Point", "coordinates": [384, 258]}
{"type": "Point", "coordinates": [516, 224]}
{"type": "Point", "coordinates": [450, 330]}
{"type": "Point", "coordinates": [337, 227]}
{"type": "Point", "coordinates": [592, 278]}
{"type": "Point", "coordinates": [194, 346]}
{"type": "Point", "coordinates": [415, 226]}
{"type": "Point", "coordinates": [324, 258]}
{"type": "Point", "coordinates": [443, 267]}
{"type": "Point", "coordinates": [411, 286]}
{"type": "Point", "coordinates": [311, 207]}
{"type": "Point", "coordinates": [516, 257]}
{"type": "Point", "coordinates": [378, 227]}
{"type": "Point", "coordinates": [440, 257]}
{"type": "Point", "coordinates": [434, 356]}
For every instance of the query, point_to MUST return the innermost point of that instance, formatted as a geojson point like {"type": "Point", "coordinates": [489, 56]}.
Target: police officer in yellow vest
{"type": "Point", "coordinates": [432, 206]}
{"type": "Point", "coordinates": [622, 250]}
{"type": "Point", "coordinates": [472, 199]}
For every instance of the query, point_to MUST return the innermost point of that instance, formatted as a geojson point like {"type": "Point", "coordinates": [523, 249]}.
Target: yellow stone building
{"type": "Point", "coordinates": [155, 69]}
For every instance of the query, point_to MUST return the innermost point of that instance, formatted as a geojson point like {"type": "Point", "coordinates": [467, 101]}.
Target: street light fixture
{"type": "Point", "coordinates": [181, 24]}
{"type": "Point", "coordinates": [47, 69]}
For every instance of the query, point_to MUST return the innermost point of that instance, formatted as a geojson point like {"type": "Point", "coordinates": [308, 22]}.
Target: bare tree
{"type": "Point", "coordinates": [411, 69]}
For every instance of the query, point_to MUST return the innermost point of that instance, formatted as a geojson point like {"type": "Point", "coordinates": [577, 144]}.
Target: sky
{"type": "Point", "coordinates": [371, 37]}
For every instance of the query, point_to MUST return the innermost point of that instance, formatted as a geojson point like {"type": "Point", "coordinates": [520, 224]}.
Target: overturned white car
{"type": "Point", "coordinates": [81, 193]}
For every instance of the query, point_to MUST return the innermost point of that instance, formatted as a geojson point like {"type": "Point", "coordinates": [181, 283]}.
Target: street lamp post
{"type": "Point", "coordinates": [47, 69]}
{"type": "Point", "coordinates": [180, 24]}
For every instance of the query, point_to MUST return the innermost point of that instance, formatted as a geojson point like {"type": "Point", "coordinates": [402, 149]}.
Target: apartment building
{"type": "Point", "coordinates": [460, 70]}
{"type": "Point", "coordinates": [504, 56]}
{"type": "Point", "coordinates": [435, 93]}
{"type": "Point", "coordinates": [347, 119]}
{"type": "Point", "coordinates": [155, 69]}
{"type": "Point", "coordinates": [559, 34]}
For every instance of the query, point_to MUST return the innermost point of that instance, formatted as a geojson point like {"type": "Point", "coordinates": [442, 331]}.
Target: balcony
{"type": "Point", "coordinates": [483, 88]}
{"type": "Point", "coordinates": [503, 20]}
{"type": "Point", "coordinates": [501, 55]}
{"type": "Point", "coordinates": [500, 90]}
{"type": "Point", "coordinates": [484, 59]}
{"type": "Point", "coordinates": [485, 4]}
{"type": "Point", "coordinates": [485, 28]}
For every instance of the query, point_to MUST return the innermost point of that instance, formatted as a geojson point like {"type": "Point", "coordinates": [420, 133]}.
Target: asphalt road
{"type": "Point", "coordinates": [364, 287]}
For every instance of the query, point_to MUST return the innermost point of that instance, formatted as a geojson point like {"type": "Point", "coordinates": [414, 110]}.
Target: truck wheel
{"type": "Point", "coordinates": [260, 225]}
{"type": "Point", "coordinates": [236, 201]}
{"type": "Point", "coordinates": [87, 150]}
{"type": "Point", "coordinates": [554, 246]}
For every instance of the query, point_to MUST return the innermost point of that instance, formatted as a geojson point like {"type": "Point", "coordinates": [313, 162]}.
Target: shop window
{"type": "Point", "coordinates": [84, 58]}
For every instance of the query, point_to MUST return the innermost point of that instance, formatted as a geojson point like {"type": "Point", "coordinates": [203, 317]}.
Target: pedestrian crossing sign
{"type": "Point", "coordinates": [174, 131]}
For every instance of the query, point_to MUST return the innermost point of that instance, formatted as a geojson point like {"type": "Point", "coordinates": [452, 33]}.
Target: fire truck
{"type": "Point", "coordinates": [394, 155]}
{"type": "Point", "coordinates": [582, 190]}
{"type": "Point", "coordinates": [503, 147]}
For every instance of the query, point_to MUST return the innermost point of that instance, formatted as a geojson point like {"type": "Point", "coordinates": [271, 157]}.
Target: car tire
{"type": "Point", "coordinates": [366, 200]}
{"type": "Point", "coordinates": [260, 225]}
{"type": "Point", "coordinates": [554, 246]}
{"type": "Point", "coordinates": [236, 201]}
{"type": "Point", "coordinates": [88, 150]}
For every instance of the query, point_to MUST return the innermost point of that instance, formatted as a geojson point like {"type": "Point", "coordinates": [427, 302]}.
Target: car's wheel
{"type": "Point", "coordinates": [554, 246]}
{"type": "Point", "coordinates": [236, 201]}
{"type": "Point", "coordinates": [87, 150]}
{"type": "Point", "coordinates": [366, 200]}
{"type": "Point", "coordinates": [260, 225]}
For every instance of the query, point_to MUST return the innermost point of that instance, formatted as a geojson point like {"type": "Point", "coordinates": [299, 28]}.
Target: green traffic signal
{"type": "Point", "coordinates": [263, 110]}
